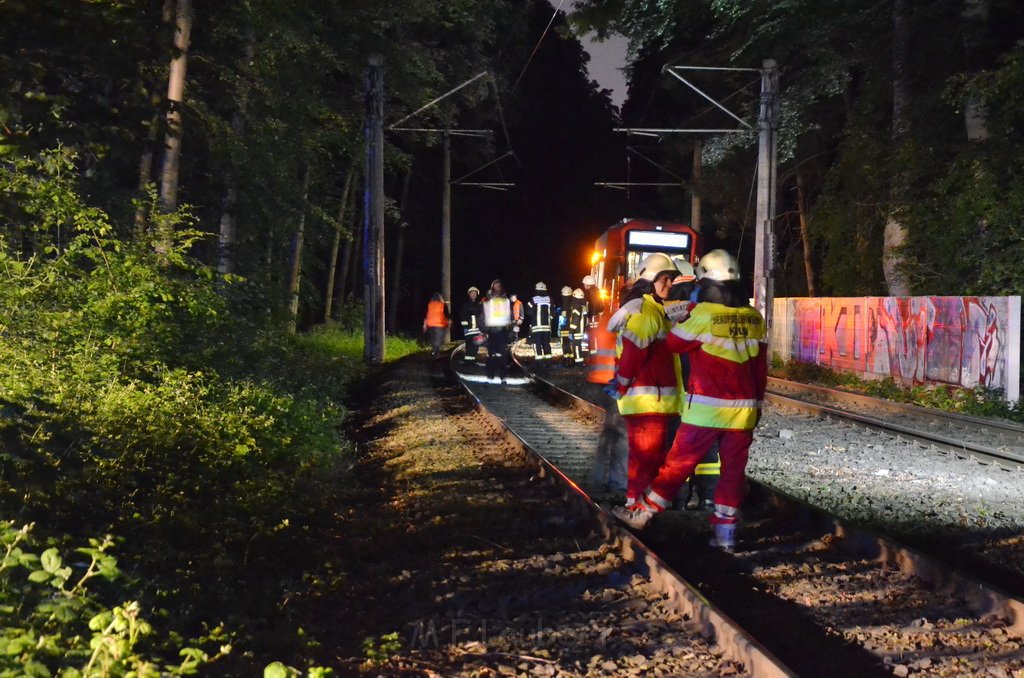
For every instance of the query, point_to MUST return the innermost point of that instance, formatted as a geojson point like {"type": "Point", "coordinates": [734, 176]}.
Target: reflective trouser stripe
{"type": "Point", "coordinates": [710, 469]}
{"type": "Point", "coordinates": [710, 416]}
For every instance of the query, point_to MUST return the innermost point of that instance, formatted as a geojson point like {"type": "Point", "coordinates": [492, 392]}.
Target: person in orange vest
{"type": "Point", "coordinates": [727, 343]}
{"type": "Point", "coordinates": [517, 316]}
{"type": "Point", "coordinates": [435, 324]}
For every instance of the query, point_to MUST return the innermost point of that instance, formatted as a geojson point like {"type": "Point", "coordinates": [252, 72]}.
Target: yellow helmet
{"type": "Point", "coordinates": [655, 264]}
{"type": "Point", "coordinates": [719, 265]}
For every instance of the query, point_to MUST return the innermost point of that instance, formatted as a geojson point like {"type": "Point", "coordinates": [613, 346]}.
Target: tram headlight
{"type": "Point", "coordinates": [595, 257]}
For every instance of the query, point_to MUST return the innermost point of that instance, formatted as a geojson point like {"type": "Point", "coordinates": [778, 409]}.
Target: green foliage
{"type": "Point", "coordinates": [132, 401]}
{"type": "Point", "coordinates": [53, 620]}
{"type": "Point", "coordinates": [378, 651]}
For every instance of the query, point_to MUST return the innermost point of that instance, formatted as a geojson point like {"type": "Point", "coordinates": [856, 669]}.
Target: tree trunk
{"type": "Point", "coordinates": [396, 267]}
{"type": "Point", "coordinates": [805, 237]}
{"type": "Point", "coordinates": [339, 228]}
{"type": "Point", "coordinates": [146, 177]}
{"type": "Point", "coordinates": [974, 28]}
{"type": "Point", "coordinates": [228, 226]}
{"type": "Point", "coordinates": [895, 231]}
{"type": "Point", "coordinates": [295, 279]}
{"type": "Point", "coordinates": [172, 143]}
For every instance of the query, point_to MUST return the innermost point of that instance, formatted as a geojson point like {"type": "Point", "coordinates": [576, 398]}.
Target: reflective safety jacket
{"type": "Point", "coordinates": [517, 311]}
{"type": "Point", "coordinates": [576, 315]}
{"type": "Point", "coordinates": [648, 375]}
{"type": "Point", "coordinates": [497, 312]}
{"type": "Point", "coordinates": [437, 314]}
{"type": "Point", "coordinates": [728, 365]}
{"type": "Point", "coordinates": [469, 315]}
{"type": "Point", "coordinates": [539, 313]}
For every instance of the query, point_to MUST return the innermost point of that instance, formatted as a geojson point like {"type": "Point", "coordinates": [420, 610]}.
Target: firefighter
{"type": "Point", "coordinates": [726, 341]}
{"type": "Point", "coordinates": [647, 381]}
{"type": "Point", "coordinates": [497, 322]}
{"type": "Point", "coordinates": [577, 325]}
{"type": "Point", "coordinates": [700, 487]}
{"type": "Point", "coordinates": [435, 324]}
{"type": "Point", "coordinates": [469, 316]}
{"type": "Point", "coordinates": [517, 316]}
{"type": "Point", "coordinates": [563, 323]}
{"type": "Point", "coordinates": [595, 304]}
{"type": "Point", "coordinates": [539, 311]}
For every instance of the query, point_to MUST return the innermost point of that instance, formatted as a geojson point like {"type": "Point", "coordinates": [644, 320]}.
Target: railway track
{"type": "Point", "coordinates": [985, 440]}
{"type": "Point", "coordinates": [804, 594]}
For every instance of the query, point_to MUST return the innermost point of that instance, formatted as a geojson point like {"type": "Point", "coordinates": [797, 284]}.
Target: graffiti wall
{"type": "Point", "coordinates": [967, 341]}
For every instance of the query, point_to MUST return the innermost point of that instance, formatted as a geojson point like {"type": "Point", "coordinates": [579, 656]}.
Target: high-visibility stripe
{"type": "Point", "coordinates": [642, 342]}
{"type": "Point", "coordinates": [666, 403]}
{"type": "Point", "coordinates": [723, 511]}
{"type": "Point", "coordinates": [609, 352]}
{"type": "Point", "coordinates": [663, 391]}
{"type": "Point", "coordinates": [723, 402]}
{"type": "Point", "coordinates": [657, 501]}
{"type": "Point", "coordinates": [711, 416]}
{"type": "Point", "coordinates": [708, 469]}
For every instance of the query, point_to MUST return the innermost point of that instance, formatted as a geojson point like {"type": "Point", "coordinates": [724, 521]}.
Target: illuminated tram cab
{"type": "Point", "coordinates": [615, 261]}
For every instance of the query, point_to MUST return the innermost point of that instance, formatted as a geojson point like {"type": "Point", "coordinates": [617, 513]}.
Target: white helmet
{"type": "Point", "coordinates": [474, 288]}
{"type": "Point", "coordinates": [577, 293]}
{"type": "Point", "coordinates": [686, 272]}
{"type": "Point", "coordinates": [719, 265]}
{"type": "Point", "coordinates": [656, 263]}
{"type": "Point", "coordinates": [589, 280]}
{"type": "Point", "coordinates": [566, 291]}
{"type": "Point", "coordinates": [541, 287]}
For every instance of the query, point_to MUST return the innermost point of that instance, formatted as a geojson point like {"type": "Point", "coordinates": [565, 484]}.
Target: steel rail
{"type": "Point", "coordinates": [687, 600]}
{"type": "Point", "coordinates": [982, 596]}
{"type": "Point", "coordinates": [981, 453]}
{"type": "Point", "coordinates": [893, 406]}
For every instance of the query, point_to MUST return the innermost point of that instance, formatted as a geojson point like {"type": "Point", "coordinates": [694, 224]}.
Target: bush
{"type": "Point", "coordinates": [133, 402]}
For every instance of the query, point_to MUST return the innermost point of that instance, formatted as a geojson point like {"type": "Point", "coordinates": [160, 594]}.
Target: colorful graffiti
{"type": "Point", "coordinates": [968, 341]}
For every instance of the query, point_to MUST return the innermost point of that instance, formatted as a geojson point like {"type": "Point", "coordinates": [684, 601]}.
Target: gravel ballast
{"type": "Point", "coordinates": [479, 568]}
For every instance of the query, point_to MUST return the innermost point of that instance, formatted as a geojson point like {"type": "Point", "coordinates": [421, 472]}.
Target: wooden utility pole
{"type": "Point", "coordinates": [172, 143]}
{"type": "Point", "coordinates": [698, 150]}
{"type": "Point", "coordinates": [764, 245]}
{"type": "Point", "coordinates": [373, 219]}
{"type": "Point", "coordinates": [446, 228]}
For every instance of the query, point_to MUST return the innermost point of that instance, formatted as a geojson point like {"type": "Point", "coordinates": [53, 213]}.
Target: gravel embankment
{"type": "Point", "coordinates": [901, 488]}
{"type": "Point", "coordinates": [477, 567]}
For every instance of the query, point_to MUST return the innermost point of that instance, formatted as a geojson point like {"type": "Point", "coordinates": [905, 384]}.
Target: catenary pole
{"type": "Point", "coordinates": [373, 215]}
{"type": "Point", "coordinates": [764, 246]}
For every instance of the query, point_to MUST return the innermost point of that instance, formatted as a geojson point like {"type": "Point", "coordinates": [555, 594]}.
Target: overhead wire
{"type": "Point", "coordinates": [537, 46]}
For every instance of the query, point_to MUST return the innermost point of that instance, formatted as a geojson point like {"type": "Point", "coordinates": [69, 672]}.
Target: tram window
{"type": "Point", "coordinates": [658, 241]}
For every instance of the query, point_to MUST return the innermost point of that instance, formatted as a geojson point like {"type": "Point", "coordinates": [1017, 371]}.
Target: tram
{"type": "Point", "coordinates": [615, 261]}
